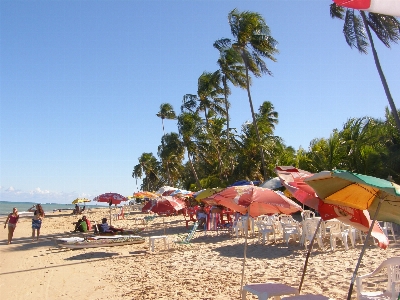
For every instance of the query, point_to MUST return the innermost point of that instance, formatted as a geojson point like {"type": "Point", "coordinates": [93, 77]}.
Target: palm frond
{"type": "Point", "coordinates": [386, 28]}
{"type": "Point", "coordinates": [354, 32]}
{"type": "Point", "coordinates": [336, 11]}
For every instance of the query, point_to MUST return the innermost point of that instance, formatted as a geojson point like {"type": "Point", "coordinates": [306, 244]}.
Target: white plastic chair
{"type": "Point", "coordinates": [237, 226]}
{"type": "Point", "coordinates": [286, 219]}
{"type": "Point", "coordinates": [336, 231]}
{"type": "Point", "coordinates": [353, 234]}
{"type": "Point", "coordinates": [392, 291]}
{"type": "Point", "coordinates": [308, 230]}
{"type": "Point", "coordinates": [387, 229]}
{"type": "Point", "coordinates": [307, 214]}
{"type": "Point", "coordinates": [291, 231]}
{"type": "Point", "coordinates": [265, 229]}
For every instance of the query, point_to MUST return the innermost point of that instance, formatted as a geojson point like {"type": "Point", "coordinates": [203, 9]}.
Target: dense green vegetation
{"type": "Point", "coordinates": [218, 155]}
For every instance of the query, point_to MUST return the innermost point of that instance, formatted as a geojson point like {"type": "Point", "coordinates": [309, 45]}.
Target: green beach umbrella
{"type": "Point", "coordinates": [359, 191]}
{"type": "Point", "coordinates": [379, 196]}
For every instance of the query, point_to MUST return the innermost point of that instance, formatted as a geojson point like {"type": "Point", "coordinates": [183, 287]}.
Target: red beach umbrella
{"type": "Point", "coordinates": [110, 198]}
{"type": "Point", "coordinates": [384, 7]}
{"type": "Point", "coordinates": [164, 205]}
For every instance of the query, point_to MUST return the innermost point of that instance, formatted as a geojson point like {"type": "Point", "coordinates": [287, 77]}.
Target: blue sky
{"type": "Point", "coordinates": [82, 81]}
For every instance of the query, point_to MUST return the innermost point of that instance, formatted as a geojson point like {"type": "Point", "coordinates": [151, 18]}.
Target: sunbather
{"type": "Point", "coordinates": [201, 216]}
{"type": "Point", "coordinates": [105, 228]}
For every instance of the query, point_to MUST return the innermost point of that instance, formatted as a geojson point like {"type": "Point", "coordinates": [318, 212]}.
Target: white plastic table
{"type": "Point", "coordinates": [157, 237]}
{"type": "Point", "coordinates": [267, 290]}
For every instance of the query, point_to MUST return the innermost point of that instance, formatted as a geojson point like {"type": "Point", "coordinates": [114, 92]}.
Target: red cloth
{"type": "Point", "coordinates": [89, 225]}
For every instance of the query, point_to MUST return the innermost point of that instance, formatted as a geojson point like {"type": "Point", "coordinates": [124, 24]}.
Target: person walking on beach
{"type": "Point", "coordinates": [38, 216]}
{"type": "Point", "coordinates": [12, 220]}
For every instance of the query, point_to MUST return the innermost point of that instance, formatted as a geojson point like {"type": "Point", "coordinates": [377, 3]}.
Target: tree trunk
{"type": "Point", "coordinates": [227, 122]}
{"type": "Point", "coordinates": [381, 75]}
{"type": "Point", "coordinates": [169, 177]}
{"type": "Point", "coordinates": [254, 119]}
{"type": "Point", "coordinates": [194, 171]}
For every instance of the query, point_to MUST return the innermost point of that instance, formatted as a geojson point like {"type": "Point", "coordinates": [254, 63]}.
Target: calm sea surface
{"type": "Point", "coordinates": [6, 207]}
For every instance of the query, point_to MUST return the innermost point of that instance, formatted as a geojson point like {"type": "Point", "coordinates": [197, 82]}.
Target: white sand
{"type": "Point", "coordinates": [209, 268]}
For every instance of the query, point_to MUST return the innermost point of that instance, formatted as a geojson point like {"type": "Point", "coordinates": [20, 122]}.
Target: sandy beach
{"type": "Point", "coordinates": [209, 268]}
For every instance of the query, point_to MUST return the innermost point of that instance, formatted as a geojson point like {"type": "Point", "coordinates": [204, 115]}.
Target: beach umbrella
{"type": "Point", "coordinates": [254, 201]}
{"type": "Point", "coordinates": [273, 183]}
{"type": "Point", "coordinates": [245, 182]}
{"type": "Point", "coordinates": [293, 180]}
{"type": "Point", "coordinates": [204, 193]}
{"type": "Point", "coordinates": [384, 7]}
{"type": "Point", "coordinates": [380, 197]}
{"type": "Point", "coordinates": [145, 194]}
{"type": "Point", "coordinates": [165, 189]}
{"type": "Point", "coordinates": [80, 200]}
{"type": "Point", "coordinates": [181, 193]}
{"type": "Point", "coordinates": [110, 198]}
{"type": "Point", "coordinates": [164, 204]}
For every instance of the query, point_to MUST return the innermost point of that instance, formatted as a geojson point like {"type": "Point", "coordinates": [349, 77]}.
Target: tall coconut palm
{"type": "Point", "coordinates": [188, 124]}
{"type": "Point", "coordinates": [253, 42]}
{"type": "Point", "coordinates": [209, 92]}
{"type": "Point", "coordinates": [386, 28]}
{"type": "Point", "coordinates": [171, 152]}
{"type": "Point", "coordinates": [148, 165]}
{"type": "Point", "coordinates": [232, 68]}
{"type": "Point", "coordinates": [166, 112]}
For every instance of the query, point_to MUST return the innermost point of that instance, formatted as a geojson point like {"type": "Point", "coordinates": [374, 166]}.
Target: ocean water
{"type": "Point", "coordinates": [7, 206]}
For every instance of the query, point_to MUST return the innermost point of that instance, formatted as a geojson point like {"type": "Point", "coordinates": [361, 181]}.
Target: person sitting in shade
{"type": "Point", "coordinates": [88, 224]}
{"type": "Point", "coordinates": [201, 216]}
{"type": "Point", "coordinates": [76, 210]}
{"type": "Point", "coordinates": [80, 226]}
{"type": "Point", "coordinates": [105, 228]}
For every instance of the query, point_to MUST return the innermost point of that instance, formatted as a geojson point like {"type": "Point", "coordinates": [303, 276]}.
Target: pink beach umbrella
{"type": "Point", "coordinates": [254, 201]}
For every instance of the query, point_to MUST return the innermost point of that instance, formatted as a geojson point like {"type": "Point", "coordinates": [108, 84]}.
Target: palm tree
{"type": "Point", "coordinates": [253, 42]}
{"type": "Point", "coordinates": [148, 165]}
{"type": "Point", "coordinates": [268, 116]}
{"type": "Point", "coordinates": [208, 91]}
{"type": "Point", "coordinates": [187, 126]}
{"type": "Point", "coordinates": [166, 112]}
{"type": "Point", "coordinates": [232, 68]}
{"type": "Point", "coordinates": [171, 151]}
{"type": "Point", "coordinates": [386, 28]}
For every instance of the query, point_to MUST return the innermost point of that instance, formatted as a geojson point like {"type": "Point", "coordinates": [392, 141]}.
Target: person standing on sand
{"type": "Point", "coordinates": [38, 216]}
{"type": "Point", "coordinates": [12, 220]}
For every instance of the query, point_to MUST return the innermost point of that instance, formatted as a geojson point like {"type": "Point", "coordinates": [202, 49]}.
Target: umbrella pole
{"type": "Point", "coordinates": [308, 255]}
{"type": "Point", "coordinates": [353, 278]}
{"type": "Point", "coordinates": [110, 216]}
{"type": "Point", "coordinates": [244, 258]}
